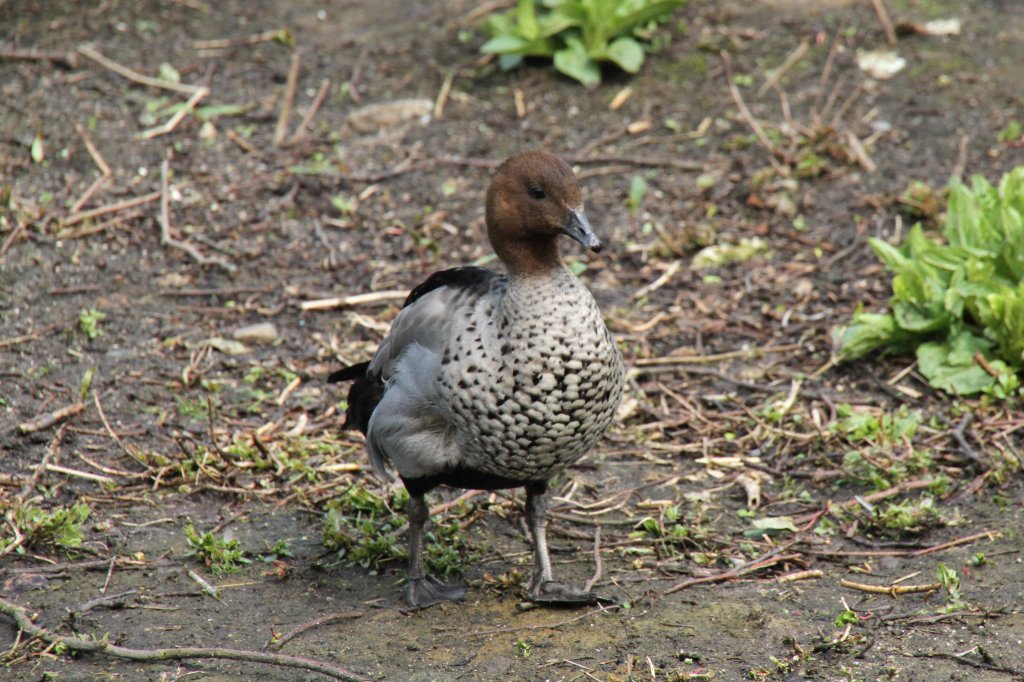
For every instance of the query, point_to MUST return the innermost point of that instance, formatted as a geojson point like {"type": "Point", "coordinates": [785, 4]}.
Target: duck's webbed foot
{"type": "Point", "coordinates": [543, 589]}
{"type": "Point", "coordinates": [425, 590]}
{"type": "Point", "coordinates": [556, 593]}
{"type": "Point", "coordinates": [428, 591]}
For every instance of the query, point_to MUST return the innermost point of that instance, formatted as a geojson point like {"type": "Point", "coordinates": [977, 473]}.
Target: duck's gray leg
{"type": "Point", "coordinates": [544, 589]}
{"type": "Point", "coordinates": [424, 590]}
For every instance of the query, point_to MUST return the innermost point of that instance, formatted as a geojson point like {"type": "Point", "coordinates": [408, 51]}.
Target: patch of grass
{"type": "Point", "coordinates": [219, 554]}
{"type": "Point", "coordinates": [577, 35]}
{"type": "Point", "coordinates": [363, 527]}
{"type": "Point", "coordinates": [668, 531]}
{"type": "Point", "coordinates": [1012, 132]}
{"type": "Point", "coordinates": [89, 323]}
{"type": "Point", "coordinates": [882, 455]}
{"type": "Point", "coordinates": [279, 550]}
{"type": "Point", "coordinates": [56, 527]}
{"type": "Point", "coordinates": [908, 517]}
{"type": "Point", "coordinates": [958, 301]}
{"type": "Point", "coordinates": [191, 409]}
{"type": "Point", "coordinates": [950, 581]}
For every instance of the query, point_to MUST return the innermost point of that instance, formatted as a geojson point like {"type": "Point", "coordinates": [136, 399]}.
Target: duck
{"type": "Point", "coordinates": [494, 381]}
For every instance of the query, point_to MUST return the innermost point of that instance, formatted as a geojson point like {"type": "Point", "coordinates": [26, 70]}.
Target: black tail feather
{"type": "Point", "coordinates": [363, 396]}
{"type": "Point", "coordinates": [356, 371]}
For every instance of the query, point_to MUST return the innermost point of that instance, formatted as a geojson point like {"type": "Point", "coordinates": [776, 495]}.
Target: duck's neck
{"type": "Point", "coordinates": [528, 259]}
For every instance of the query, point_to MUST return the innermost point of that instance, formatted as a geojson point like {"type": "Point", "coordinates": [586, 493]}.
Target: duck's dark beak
{"type": "Point", "coordinates": [578, 228]}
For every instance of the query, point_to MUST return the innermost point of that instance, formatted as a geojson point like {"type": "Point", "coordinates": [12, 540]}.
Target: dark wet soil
{"type": "Point", "coordinates": [344, 211]}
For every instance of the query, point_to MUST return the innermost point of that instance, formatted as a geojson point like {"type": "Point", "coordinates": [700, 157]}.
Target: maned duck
{"type": "Point", "coordinates": [494, 381]}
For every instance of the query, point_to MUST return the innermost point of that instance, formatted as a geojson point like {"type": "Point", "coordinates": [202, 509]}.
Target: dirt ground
{"type": "Point", "coordinates": [167, 429]}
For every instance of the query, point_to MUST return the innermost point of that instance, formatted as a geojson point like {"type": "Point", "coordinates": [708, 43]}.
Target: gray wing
{"type": "Point", "coordinates": [410, 427]}
{"type": "Point", "coordinates": [426, 318]}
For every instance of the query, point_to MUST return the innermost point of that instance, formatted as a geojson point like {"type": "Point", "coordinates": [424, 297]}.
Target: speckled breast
{"type": "Point", "coordinates": [532, 379]}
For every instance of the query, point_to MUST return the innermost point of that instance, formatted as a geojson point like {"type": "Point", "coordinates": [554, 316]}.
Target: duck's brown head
{"type": "Point", "coordinates": [533, 198]}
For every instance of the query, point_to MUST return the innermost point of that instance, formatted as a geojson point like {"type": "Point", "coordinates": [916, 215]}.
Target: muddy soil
{"type": "Point", "coordinates": [346, 209]}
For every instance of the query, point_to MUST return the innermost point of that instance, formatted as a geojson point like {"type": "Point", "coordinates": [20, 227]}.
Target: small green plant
{"type": "Point", "coordinates": [871, 427]}
{"type": "Point", "coordinates": [950, 581]}
{"type": "Point", "coordinates": [577, 34]}
{"type": "Point", "coordinates": [668, 530]}
{"type": "Point", "coordinates": [524, 648]}
{"type": "Point", "coordinates": [959, 302]}
{"type": "Point", "coordinates": [219, 554]}
{"type": "Point", "coordinates": [279, 550]}
{"type": "Point", "coordinates": [847, 617]}
{"type": "Point", "coordinates": [363, 527]}
{"type": "Point", "coordinates": [1012, 132]}
{"type": "Point", "coordinates": [57, 527]}
{"type": "Point", "coordinates": [637, 192]}
{"type": "Point", "coordinates": [908, 516]}
{"type": "Point", "coordinates": [89, 322]}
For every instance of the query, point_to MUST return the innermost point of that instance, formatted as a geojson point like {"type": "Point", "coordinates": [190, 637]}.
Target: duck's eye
{"type": "Point", "coordinates": [537, 193]}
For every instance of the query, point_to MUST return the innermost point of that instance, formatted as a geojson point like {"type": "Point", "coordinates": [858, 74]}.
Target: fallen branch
{"type": "Point", "coordinates": [891, 590]}
{"type": "Point", "coordinates": [897, 489]}
{"type": "Point", "coordinates": [809, 574]}
{"type": "Point", "coordinates": [24, 623]}
{"type": "Point", "coordinates": [48, 420]}
{"type": "Point", "coordinates": [174, 120]}
{"type": "Point", "coordinates": [356, 299]}
{"type": "Point", "coordinates": [135, 76]}
{"type": "Point", "coordinates": [776, 76]}
{"type": "Point", "coordinates": [769, 559]}
{"type": "Point", "coordinates": [165, 226]}
{"type": "Point", "coordinates": [883, 18]}
{"type": "Point", "coordinates": [959, 435]}
{"type": "Point", "coordinates": [281, 131]}
{"type": "Point", "coordinates": [280, 34]}
{"type": "Point", "coordinates": [749, 118]}
{"type": "Point", "coordinates": [97, 158]}
{"type": "Point", "coordinates": [110, 208]}
{"type": "Point", "coordinates": [25, 338]}
{"type": "Point", "coordinates": [990, 534]}
{"type": "Point", "coordinates": [279, 642]}
{"type": "Point", "coordinates": [300, 131]}
{"type": "Point", "coordinates": [68, 59]}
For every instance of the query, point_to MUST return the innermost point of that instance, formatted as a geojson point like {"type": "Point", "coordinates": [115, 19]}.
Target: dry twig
{"type": "Point", "coordinates": [48, 420]}
{"type": "Point", "coordinates": [279, 642]}
{"type": "Point", "coordinates": [135, 76]}
{"type": "Point", "coordinates": [110, 208]}
{"type": "Point", "coordinates": [68, 59]}
{"type": "Point", "coordinates": [281, 131]}
{"type": "Point", "coordinates": [21, 618]}
{"type": "Point", "coordinates": [770, 558]}
{"type": "Point", "coordinates": [883, 17]}
{"type": "Point", "coordinates": [165, 226]}
{"type": "Point", "coordinates": [300, 131]}
{"type": "Point", "coordinates": [356, 299]}
{"type": "Point", "coordinates": [891, 590]}
{"type": "Point", "coordinates": [174, 120]}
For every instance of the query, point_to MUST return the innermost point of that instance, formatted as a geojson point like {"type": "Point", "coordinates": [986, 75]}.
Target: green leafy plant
{"type": "Point", "coordinates": [846, 617]}
{"type": "Point", "coordinates": [959, 301]}
{"type": "Point", "coordinates": [577, 34]}
{"type": "Point", "coordinates": [59, 527]}
{"type": "Point", "coordinates": [219, 554]}
{"type": "Point", "coordinates": [363, 527]}
{"type": "Point", "coordinates": [950, 581]}
{"type": "Point", "coordinates": [89, 322]}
